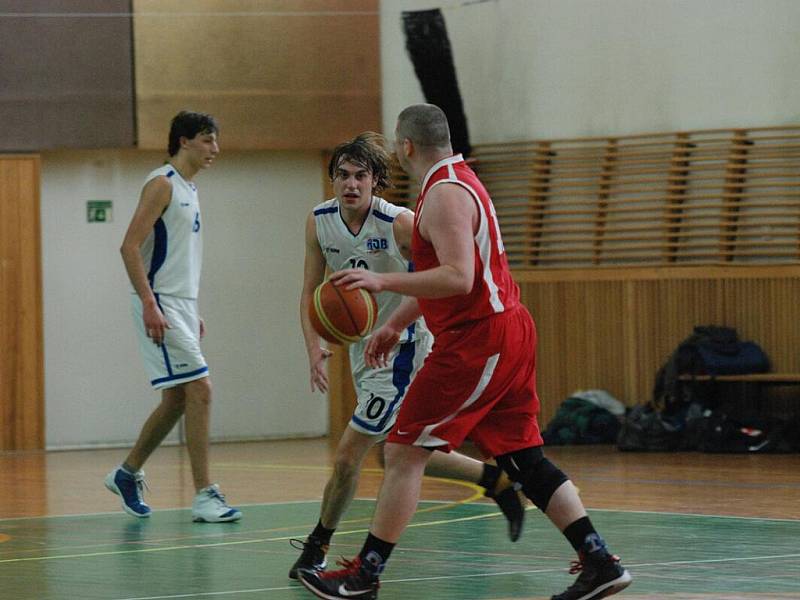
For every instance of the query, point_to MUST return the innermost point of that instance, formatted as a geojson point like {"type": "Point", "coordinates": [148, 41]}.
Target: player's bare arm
{"type": "Point", "coordinates": [313, 274]}
{"type": "Point", "coordinates": [385, 337]}
{"type": "Point", "coordinates": [403, 228]}
{"type": "Point", "coordinates": [153, 202]}
{"type": "Point", "coordinates": [448, 221]}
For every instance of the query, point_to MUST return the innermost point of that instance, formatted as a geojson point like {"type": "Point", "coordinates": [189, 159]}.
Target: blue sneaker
{"type": "Point", "coordinates": [129, 488]}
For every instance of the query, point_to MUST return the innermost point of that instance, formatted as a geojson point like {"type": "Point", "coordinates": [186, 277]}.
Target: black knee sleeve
{"type": "Point", "coordinates": [539, 477]}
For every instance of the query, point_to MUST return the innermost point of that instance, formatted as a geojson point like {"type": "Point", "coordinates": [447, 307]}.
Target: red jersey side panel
{"type": "Point", "coordinates": [493, 290]}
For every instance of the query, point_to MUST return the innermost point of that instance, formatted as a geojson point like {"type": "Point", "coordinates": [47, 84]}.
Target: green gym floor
{"type": "Point", "coordinates": [451, 551]}
{"type": "Point", "coordinates": [677, 524]}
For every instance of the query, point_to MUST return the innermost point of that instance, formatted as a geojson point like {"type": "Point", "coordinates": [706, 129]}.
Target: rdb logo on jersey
{"type": "Point", "coordinates": [377, 244]}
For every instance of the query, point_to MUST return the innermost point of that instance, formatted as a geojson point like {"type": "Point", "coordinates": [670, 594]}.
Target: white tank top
{"type": "Point", "coordinates": [373, 248]}
{"type": "Point", "coordinates": [173, 252]}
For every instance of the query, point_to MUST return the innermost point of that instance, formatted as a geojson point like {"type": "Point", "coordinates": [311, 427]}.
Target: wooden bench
{"type": "Point", "coordinates": [749, 385]}
{"type": "Point", "coordinates": [762, 378]}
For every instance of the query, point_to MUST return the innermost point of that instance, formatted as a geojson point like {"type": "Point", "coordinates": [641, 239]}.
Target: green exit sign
{"type": "Point", "coordinates": [98, 211]}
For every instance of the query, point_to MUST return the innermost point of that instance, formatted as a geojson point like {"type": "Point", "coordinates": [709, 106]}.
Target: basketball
{"type": "Point", "coordinates": [342, 316]}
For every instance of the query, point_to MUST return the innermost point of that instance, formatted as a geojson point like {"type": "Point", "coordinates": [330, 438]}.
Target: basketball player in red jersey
{"type": "Point", "coordinates": [479, 381]}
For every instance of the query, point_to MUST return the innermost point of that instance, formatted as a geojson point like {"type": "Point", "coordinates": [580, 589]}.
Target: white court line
{"type": "Point", "coordinates": [158, 510]}
{"type": "Point", "coordinates": [687, 514]}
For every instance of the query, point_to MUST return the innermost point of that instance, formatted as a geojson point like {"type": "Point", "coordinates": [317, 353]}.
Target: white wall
{"type": "Point", "coordinates": [254, 207]}
{"type": "Point", "coordinates": [569, 68]}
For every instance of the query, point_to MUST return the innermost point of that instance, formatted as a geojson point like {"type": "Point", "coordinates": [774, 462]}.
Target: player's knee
{"type": "Point", "coordinates": [348, 459]}
{"type": "Point", "coordinates": [198, 391]}
{"type": "Point", "coordinates": [539, 477]}
{"type": "Point", "coordinates": [379, 448]}
{"type": "Point", "coordinates": [345, 467]}
{"type": "Point", "coordinates": [401, 458]}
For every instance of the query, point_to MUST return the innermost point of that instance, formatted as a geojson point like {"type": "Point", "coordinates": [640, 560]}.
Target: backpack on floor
{"type": "Point", "coordinates": [750, 434]}
{"type": "Point", "coordinates": [645, 429]}
{"type": "Point", "coordinates": [581, 421]}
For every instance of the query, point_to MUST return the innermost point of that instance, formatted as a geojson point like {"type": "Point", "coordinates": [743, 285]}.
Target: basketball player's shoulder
{"type": "Point", "coordinates": [165, 171]}
{"type": "Point", "coordinates": [329, 207]}
{"type": "Point", "coordinates": [158, 182]}
{"type": "Point", "coordinates": [384, 209]}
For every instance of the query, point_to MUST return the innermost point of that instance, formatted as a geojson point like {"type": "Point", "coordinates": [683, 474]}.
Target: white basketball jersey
{"type": "Point", "coordinates": [173, 252]}
{"type": "Point", "coordinates": [373, 248]}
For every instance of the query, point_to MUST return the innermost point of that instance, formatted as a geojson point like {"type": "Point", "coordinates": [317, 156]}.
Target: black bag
{"type": "Point", "coordinates": [719, 432]}
{"type": "Point", "coordinates": [644, 428]}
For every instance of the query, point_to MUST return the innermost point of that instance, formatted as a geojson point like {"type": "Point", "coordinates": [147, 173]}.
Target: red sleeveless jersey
{"type": "Point", "coordinates": [493, 290]}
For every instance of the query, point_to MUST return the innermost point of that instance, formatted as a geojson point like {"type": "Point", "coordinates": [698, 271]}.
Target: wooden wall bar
{"type": "Point", "coordinates": [21, 331]}
{"type": "Point", "coordinates": [697, 197]}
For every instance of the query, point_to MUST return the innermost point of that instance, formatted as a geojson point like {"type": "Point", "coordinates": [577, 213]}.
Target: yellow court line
{"type": "Point", "coordinates": [477, 491]}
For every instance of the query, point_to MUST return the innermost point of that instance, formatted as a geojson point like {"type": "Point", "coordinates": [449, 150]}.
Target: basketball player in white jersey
{"type": "Point", "coordinates": [357, 229]}
{"type": "Point", "coordinates": [163, 252]}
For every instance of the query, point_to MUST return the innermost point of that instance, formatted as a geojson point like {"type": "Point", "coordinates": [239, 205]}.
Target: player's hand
{"type": "Point", "coordinates": [358, 278]}
{"type": "Point", "coordinates": [155, 324]}
{"type": "Point", "coordinates": [379, 346]}
{"type": "Point", "coordinates": [202, 329]}
{"type": "Point", "coordinates": [319, 376]}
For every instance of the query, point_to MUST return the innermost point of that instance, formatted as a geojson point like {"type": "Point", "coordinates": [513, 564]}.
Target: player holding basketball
{"type": "Point", "coordinates": [479, 380]}
{"type": "Point", "coordinates": [162, 252]}
{"type": "Point", "coordinates": [357, 229]}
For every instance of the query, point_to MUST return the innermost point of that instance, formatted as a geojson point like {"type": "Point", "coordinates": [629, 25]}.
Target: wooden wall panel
{"type": "Point", "coordinates": [615, 328]}
{"type": "Point", "coordinates": [278, 74]}
{"type": "Point", "coordinates": [21, 333]}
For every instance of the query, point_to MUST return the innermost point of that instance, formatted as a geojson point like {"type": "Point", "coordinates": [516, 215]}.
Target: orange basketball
{"type": "Point", "coordinates": [342, 316]}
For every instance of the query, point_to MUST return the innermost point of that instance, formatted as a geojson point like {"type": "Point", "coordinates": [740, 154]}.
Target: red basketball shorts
{"type": "Point", "coordinates": [478, 382]}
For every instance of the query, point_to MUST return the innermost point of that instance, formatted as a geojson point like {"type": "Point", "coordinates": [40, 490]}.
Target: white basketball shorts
{"type": "Point", "coordinates": [379, 392]}
{"type": "Point", "coordinates": [179, 359]}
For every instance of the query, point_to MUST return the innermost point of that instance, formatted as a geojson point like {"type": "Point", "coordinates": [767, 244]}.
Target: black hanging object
{"type": "Point", "coordinates": [429, 49]}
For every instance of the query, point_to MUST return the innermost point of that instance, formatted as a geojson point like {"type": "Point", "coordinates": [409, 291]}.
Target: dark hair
{"type": "Point", "coordinates": [365, 150]}
{"type": "Point", "coordinates": [189, 124]}
{"type": "Point", "coordinates": [425, 125]}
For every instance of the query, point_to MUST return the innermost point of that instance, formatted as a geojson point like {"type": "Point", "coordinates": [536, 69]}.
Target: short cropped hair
{"type": "Point", "coordinates": [425, 125]}
{"type": "Point", "coordinates": [189, 124]}
{"type": "Point", "coordinates": [366, 150]}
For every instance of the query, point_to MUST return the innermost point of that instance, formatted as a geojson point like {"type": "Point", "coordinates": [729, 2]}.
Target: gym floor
{"type": "Point", "coordinates": [688, 526]}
